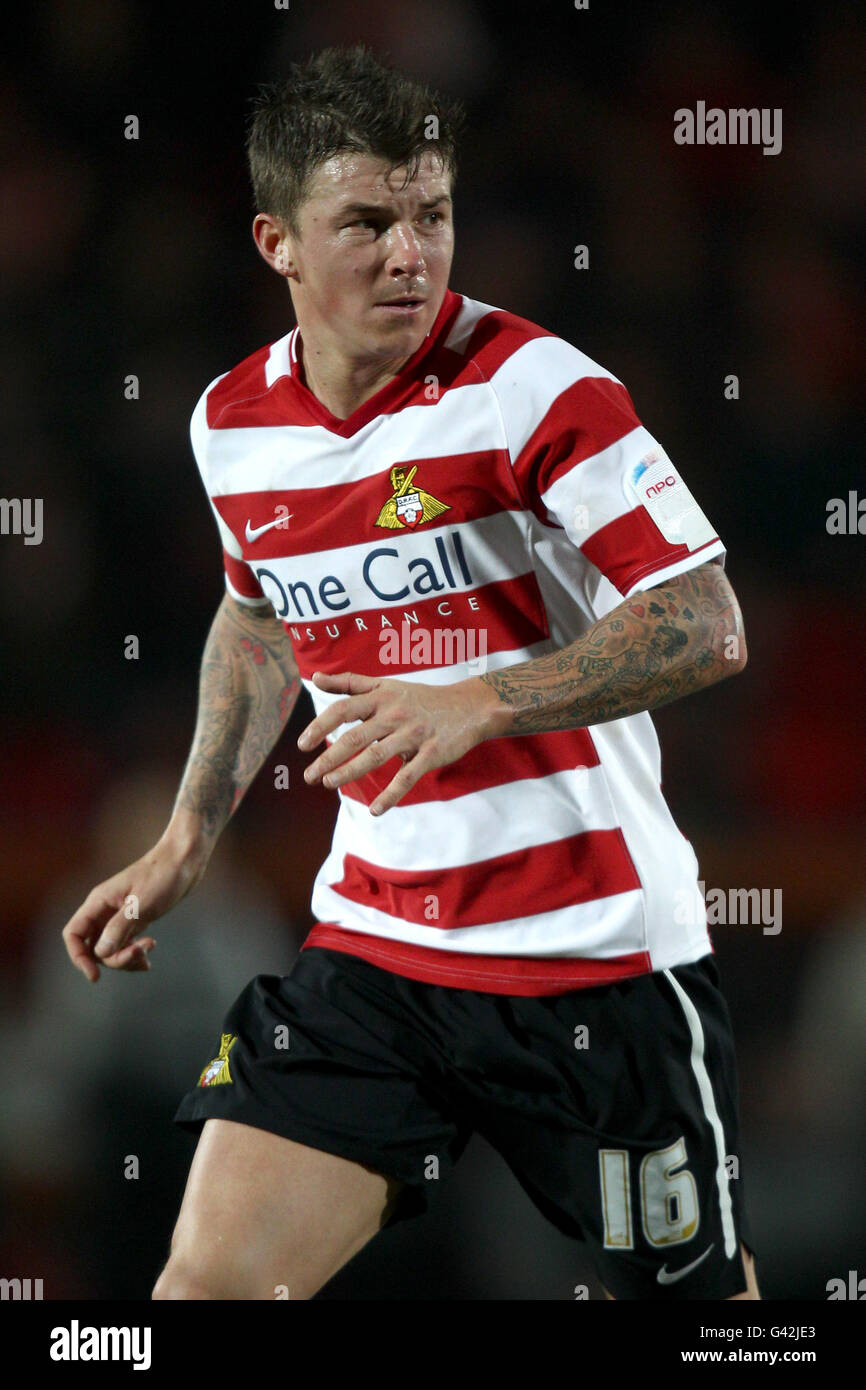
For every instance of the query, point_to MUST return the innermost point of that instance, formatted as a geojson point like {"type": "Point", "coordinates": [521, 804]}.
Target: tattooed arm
{"type": "Point", "coordinates": [682, 636]}
{"type": "Point", "coordinates": [248, 688]}
{"type": "Point", "coordinates": [669, 641]}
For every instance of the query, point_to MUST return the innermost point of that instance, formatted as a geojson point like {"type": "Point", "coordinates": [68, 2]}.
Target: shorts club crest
{"type": "Point", "coordinates": [217, 1073]}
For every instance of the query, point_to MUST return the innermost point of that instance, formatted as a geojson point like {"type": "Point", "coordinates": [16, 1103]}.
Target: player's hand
{"type": "Point", "coordinates": [426, 725]}
{"type": "Point", "coordinates": [106, 928]}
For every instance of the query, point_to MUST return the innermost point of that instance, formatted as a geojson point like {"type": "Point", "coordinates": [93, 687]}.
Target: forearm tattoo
{"type": "Point", "coordinates": [655, 647]}
{"type": "Point", "coordinates": [248, 688]}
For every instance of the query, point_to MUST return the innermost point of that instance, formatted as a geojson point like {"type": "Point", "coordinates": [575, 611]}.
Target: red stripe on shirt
{"type": "Point", "coordinates": [496, 336]}
{"type": "Point", "coordinates": [577, 869]}
{"type": "Point", "coordinates": [494, 763]}
{"type": "Point", "coordinates": [631, 547]}
{"type": "Point", "coordinates": [241, 577]}
{"type": "Point", "coordinates": [583, 420]}
{"type": "Point", "coordinates": [509, 617]}
{"type": "Point", "coordinates": [245, 382]}
{"type": "Point", "coordinates": [471, 485]}
{"type": "Point", "coordinates": [526, 976]}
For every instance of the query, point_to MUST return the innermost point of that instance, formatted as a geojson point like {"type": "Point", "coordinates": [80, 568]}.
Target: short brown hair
{"type": "Point", "coordinates": [342, 99]}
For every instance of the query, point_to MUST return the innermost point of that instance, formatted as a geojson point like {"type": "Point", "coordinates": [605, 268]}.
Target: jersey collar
{"type": "Point", "coordinates": [390, 396]}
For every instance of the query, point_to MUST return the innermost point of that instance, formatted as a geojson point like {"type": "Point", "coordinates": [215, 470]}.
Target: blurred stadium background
{"type": "Point", "coordinates": [124, 257]}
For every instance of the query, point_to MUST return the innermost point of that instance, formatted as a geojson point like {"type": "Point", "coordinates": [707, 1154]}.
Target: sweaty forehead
{"type": "Point", "coordinates": [353, 176]}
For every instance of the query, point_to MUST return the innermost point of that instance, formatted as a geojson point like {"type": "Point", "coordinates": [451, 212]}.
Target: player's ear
{"type": "Point", "coordinates": [274, 244]}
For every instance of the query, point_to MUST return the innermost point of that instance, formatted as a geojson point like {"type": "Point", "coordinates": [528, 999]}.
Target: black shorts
{"type": "Point", "coordinates": [615, 1106]}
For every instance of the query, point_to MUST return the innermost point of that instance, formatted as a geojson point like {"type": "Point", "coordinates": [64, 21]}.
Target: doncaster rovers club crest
{"type": "Point", "coordinates": [216, 1073]}
{"type": "Point", "coordinates": [408, 506]}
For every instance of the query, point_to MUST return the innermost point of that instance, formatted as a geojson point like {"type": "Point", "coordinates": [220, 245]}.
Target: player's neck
{"type": "Point", "coordinates": [342, 386]}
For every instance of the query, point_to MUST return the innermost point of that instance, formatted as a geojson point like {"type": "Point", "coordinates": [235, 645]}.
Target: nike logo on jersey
{"type": "Point", "coordinates": [253, 532]}
{"type": "Point", "coordinates": [666, 1276]}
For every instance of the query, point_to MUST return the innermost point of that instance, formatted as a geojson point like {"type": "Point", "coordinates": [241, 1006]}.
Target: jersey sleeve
{"type": "Point", "coordinates": [240, 581]}
{"type": "Point", "coordinates": [584, 462]}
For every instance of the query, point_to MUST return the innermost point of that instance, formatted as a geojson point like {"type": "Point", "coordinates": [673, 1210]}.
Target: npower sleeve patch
{"type": "Point", "coordinates": [657, 484]}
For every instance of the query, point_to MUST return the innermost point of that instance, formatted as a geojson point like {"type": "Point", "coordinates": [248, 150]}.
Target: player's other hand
{"type": "Point", "coordinates": [426, 726]}
{"type": "Point", "coordinates": [106, 929]}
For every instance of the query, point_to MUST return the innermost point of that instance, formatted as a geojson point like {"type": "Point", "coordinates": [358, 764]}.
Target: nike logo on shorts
{"type": "Point", "coordinates": [666, 1276]}
{"type": "Point", "coordinates": [253, 532]}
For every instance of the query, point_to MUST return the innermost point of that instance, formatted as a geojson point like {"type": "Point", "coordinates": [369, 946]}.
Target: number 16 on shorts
{"type": "Point", "coordinates": [669, 1208]}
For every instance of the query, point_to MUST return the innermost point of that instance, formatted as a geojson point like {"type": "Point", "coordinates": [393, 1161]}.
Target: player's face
{"type": "Point", "coordinates": [365, 242]}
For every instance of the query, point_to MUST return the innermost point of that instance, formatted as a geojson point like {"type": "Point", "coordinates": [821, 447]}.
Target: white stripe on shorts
{"type": "Point", "coordinates": [708, 1101]}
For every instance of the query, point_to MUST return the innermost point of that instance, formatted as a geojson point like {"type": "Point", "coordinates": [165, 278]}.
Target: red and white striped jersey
{"type": "Point", "coordinates": [485, 507]}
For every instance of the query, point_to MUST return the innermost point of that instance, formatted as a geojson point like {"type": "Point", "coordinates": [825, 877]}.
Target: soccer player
{"type": "Point", "coordinates": [450, 527]}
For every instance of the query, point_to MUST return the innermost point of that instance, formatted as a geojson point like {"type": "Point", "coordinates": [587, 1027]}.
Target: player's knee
{"type": "Point", "coordinates": [182, 1279]}
{"type": "Point", "coordinates": [187, 1279]}
{"type": "Point", "coordinates": [751, 1291]}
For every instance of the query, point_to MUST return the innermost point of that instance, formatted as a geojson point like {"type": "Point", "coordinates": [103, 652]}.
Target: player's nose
{"type": "Point", "coordinates": [404, 252]}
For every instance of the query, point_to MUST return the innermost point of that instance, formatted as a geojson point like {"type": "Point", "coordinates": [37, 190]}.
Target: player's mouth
{"type": "Point", "coordinates": [402, 307]}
